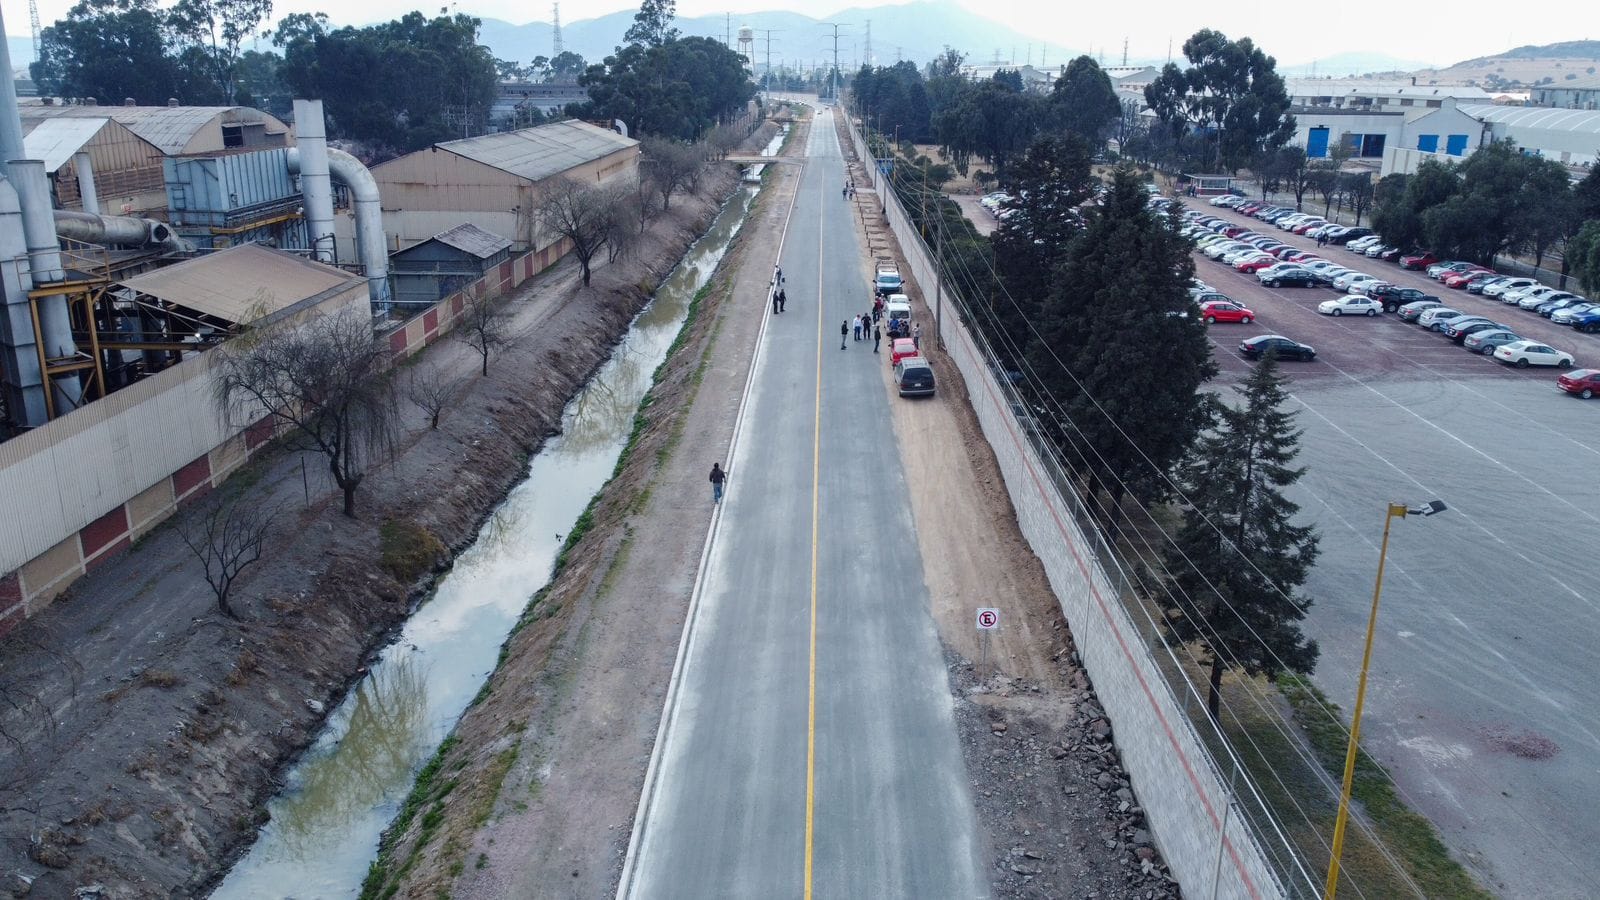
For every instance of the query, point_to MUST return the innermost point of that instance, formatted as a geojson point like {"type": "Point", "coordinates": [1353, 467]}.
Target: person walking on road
{"type": "Point", "coordinates": [916, 335]}
{"type": "Point", "coordinates": [855, 327]}
{"type": "Point", "coordinates": [877, 338]}
{"type": "Point", "coordinates": [844, 332]}
{"type": "Point", "coordinates": [718, 477]}
{"type": "Point", "coordinates": [783, 299]}
{"type": "Point", "coordinates": [775, 307]}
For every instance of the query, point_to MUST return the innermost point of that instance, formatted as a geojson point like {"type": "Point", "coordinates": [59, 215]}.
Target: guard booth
{"type": "Point", "coordinates": [1206, 185]}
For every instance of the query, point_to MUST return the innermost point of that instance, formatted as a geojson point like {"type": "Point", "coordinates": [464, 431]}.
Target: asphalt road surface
{"type": "Point", "coordinates": [811, 745]}
{"type": "Point", "coordinates": [1484, 699]}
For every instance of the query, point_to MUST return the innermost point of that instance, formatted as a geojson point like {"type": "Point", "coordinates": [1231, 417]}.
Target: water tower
{"type": "Point", "coordinates": [747, 46]}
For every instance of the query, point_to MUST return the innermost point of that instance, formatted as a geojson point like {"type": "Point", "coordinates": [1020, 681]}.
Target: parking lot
{"type": "Point", "coordinates": [1482, 700]}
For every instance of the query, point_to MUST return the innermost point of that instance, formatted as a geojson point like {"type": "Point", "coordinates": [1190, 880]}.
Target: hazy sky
{"type": "Point", "coordinates": [1294, 33]}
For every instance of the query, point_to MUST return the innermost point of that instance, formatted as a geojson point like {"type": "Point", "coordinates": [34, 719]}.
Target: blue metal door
{"type": "Point", "coordinates": [1317, 143]}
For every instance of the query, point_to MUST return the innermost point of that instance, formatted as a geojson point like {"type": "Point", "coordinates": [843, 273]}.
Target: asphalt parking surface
{"type": "Point", "coordinates": [1482, 698]}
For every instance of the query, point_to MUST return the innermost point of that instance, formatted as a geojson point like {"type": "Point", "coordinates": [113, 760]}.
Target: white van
{"type": "Point", "coordinates": [897, 316]}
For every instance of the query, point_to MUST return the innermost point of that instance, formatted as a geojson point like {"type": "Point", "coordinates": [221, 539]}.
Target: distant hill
{"type": "Point", "coordinates": [916, 31]}
{"type": "Point", "coordinates": [1346, 64]}
{"type": "Point", "coordinates": [1562, 50]}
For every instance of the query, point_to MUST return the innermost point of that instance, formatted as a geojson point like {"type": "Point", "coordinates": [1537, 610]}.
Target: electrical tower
{"type": "Point", "coordinates": [833, 84]}
{"type": "Point", "coordinates": [557, 29]}
{"type": "Point", "coordinates": [767, 77]}
{"type": "Point", "coordinates": [33, 22]}
{"type": "Point", "coordinates": [866, 49]}
{"type": "Point", "coordinates": [1124, 51]}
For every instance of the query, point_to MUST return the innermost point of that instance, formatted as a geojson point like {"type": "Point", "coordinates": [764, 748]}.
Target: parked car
{"type": "Point", "coordinates": [1523, 354]}
{"type": "Point", "coordinates": [1256, 264]}
{"type": "Point", "coordinates": [1282, 347]}
{"type": "Point", "coordinates": [1411, 311]}
{"type": "Point", "coordinates": [1350, 234]}
{"type": "Point", "coordinates": [1418, 261]}
{"type": "Point", "coordinates": [901, 348]}
{"type": "Point", "coordinates": [1441, 271]}
{"type": "Point", "coordinates": [1362, 284]}
{"type": "Point", "coordinates": [1430, 317]}
{"type": "Point", "coordinates": [1458, 328]}
{"type": "Point", "coordinates": [1387, 254]}
{"type": "Point", "coordinates": [1533, 298]}
{"type": "Point", "coordinates": [1569, 314]}
{"type": "Point", "coordinates": [1583, 383]}
{"type": "Point", "coordinates": [1549, 308]}
{"type": "Point", "coordinates": [1360, 244]}
{"type": "Point", "coordinates": [1307, 227]}
{"type": "Point", "coordinates": [1225, 311]}
{"type": "Point", "coordinates": [1488, 339]}
{"type": "Point", "coordinates": [1499, 288]}
{"type": "Point", "coordinates": [1291, 278]}
{"type": "Point", "coordinates": [1588, 322]}
{"type": "Point", "coordinates": [1340, 282]}
{"type": "Point", "coordinates": [888, 279]}
{"type": "Point", "coordinates": [1393, 297]}
{"type": "Point", "coordinates": [1462, 280]}
{"type": "Point", "coordinates": [1477, 286]}
{"type": "Point", "coordinates": [1352, 304]}
{"type": "Point", "coordinates": [913, 375]}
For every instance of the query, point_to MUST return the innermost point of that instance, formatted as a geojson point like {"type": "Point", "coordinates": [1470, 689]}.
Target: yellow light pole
{"type": "Point", "coordinates": [1396, 511]}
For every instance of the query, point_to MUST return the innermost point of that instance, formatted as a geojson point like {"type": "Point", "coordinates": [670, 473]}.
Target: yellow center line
{"type": "Point", "coordinates": [816, 485]}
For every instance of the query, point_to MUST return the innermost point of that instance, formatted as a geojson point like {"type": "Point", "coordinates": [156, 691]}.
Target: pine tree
{"type": "Point", "coordinates": [1123, 349]}
{"type": "Point", "coordinates": [1239, 560]}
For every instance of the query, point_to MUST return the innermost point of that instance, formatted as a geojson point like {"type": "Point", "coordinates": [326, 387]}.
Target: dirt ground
{"type": "Point", "coordinates": [1057, 808]}
{"type": "Point", "coordinates": [168, 723]}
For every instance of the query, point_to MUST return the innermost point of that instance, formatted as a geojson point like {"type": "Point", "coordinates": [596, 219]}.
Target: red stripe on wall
{"type": "Point", "coordinates": [104, 531]}
{"type": "Point", "coordinates": [187, 478]}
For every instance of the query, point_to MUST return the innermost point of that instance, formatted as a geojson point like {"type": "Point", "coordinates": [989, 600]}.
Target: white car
{"type": "Point", "coordinates": [1376, 251]}
{"type": "Point", "coordinates": [1362, 284]}
{"type": "Point", "coordinates": [1343, 280]}
{"type": "Point", "coordinates": [1354, 305]}
{"type": "Point", "coordinates": [1215, 251]}
{"type": "Point", "coordinates": [1523, 354]}
{"type": "Point", "coordinates": [1500, 289]}
{"type": "Point", "coordinates": [1360, 245]}
{"type": "Point", "coordinates": [1533, 298]}
{"type": "Point", "coordinates": [1430, 318]}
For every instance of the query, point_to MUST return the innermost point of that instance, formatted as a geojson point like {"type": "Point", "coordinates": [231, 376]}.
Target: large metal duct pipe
{"type": "Point", "coordinates": [311, 140]}
{"type": "Point", "coordinates": [44, 262]}
{"type": "Point", "coordinates": [19, 358]}
{"type": "Point", "coordinates": [84, 166]}
{"type": "Point", "coordinates": [118, 231]}
{"type": "Point", "coordinates": [371, 245]}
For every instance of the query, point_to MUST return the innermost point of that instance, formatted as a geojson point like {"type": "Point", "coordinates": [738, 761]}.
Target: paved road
{"type": "Point", "coordinates": [1483, 698]}
{"type": "Point", "coordinates": [813, 623]}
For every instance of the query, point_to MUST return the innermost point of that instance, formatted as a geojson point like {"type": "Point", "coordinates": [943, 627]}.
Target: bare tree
{"type": "Point", "coordinates": [430, 391]}
{"type": "Point", "coordinates": [672, 165]}
{"type": "Point", "coordinates": [324, 379]}
{"type": "Point", "coordinates": [580, 213]}
{"type": "Point", "coordinates": [482, 327]}
{"type": "Point", "coordinates": [226, 536]}
{"type": "Point", "coordinates": [724, 139]}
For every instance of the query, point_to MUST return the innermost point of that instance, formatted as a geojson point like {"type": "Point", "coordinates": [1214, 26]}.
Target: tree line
{"type": "Point", "coordinates": [1082, 293]}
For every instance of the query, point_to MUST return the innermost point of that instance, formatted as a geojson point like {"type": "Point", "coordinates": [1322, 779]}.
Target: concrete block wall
{"type": "Point", "coordinates": [1187, 802]}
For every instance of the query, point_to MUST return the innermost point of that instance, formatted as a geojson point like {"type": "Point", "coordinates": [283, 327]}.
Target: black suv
{"type": "Point", "coordinates": [1393, 297]}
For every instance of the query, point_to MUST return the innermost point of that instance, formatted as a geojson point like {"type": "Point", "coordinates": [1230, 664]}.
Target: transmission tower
{"type": "Point", "coordinates": [33, 22]}
{"type": "Point", "coordinates": [833, 85]}
{"type": "Point", "coordinates": [1124, 51]}
{"type": "Point", "coordinates": [556, 14]}
{"type": "Point", "coordinates": [866, 47]}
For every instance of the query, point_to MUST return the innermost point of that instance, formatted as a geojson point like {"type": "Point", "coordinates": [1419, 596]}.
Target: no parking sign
{"type": "Point", "coordinates": [988, 618]}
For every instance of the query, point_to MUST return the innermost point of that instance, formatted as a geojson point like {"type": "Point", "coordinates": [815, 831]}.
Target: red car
{"type": "Point", "coordinates": [1225, 311]}
{"type": "Point", "coordinates": [1418, 261]}
{"type": "Point", "coordinates": [901, 349]}
{"type": "Point", "coordinates": [1461, 279]}
{"type": "Point", "coordinates": [1257, 264]}
{"type": "Point", "coordinates": [1233, 231]}
{"type": "Point", "coordinates": [1314, 223]}
{"type": "Point", "coordinates": [1583, 383]}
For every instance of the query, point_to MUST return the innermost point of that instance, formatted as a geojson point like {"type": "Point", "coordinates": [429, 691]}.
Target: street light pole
{"type": "Point", "coordinates": [1396, 511]}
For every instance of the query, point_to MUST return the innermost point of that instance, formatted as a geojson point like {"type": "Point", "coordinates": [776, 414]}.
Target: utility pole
{"type": "Point", "coordinates": [727, 30]}
{"type": "Point", "coordinates": [768, 77]}
{"type": "Point", "coordinates": [866, 46]}
{"type": "Point", "coordinates": [1124, 51]}
{"type": "Point", "coordinates": [556, 18]}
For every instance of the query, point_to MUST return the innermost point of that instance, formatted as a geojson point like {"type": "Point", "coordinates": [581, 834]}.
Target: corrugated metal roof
{"type": "Point", "coordinates": [55, 140]}
{"type": "Point", "coordinates": [469, 238]}
{"type": "Point", "coordinates": [243, 283]}
{"type": "Point", "coordinates": [538, 153]}
{"type": "Point", "coordinates": [169, 128]}
{"type": "Point", "coordinates": [1576, 121]}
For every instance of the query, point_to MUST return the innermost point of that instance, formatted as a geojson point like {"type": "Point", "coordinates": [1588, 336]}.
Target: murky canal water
{"type": "Point", "coordinates": [338, 798]}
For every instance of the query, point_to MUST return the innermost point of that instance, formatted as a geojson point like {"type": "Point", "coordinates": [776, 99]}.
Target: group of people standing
{"type": "Point", "coordinates": [864, 327]}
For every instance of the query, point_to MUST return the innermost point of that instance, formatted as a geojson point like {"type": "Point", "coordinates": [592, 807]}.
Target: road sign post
{"type": "Point", "coordinates": [988, 621]}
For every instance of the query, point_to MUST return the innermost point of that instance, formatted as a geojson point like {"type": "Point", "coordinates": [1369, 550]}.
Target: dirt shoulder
{"type": "Point", "coordinates": [546, 768]}
{"type": "Point", "coordinates": [168, 723]}
{"type": "Point", "coordinates": [1054, 803]}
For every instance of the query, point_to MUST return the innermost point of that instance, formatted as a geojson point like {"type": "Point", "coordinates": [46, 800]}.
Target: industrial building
{"type": "Point", "coordinates": [494, 181]}
{"type": "Point", "coordinates": [425, 273]}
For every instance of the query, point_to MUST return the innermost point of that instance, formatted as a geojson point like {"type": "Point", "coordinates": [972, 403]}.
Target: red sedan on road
{"type": "Point", "coordinates": [1225, 311]}
{"type": "Point", "coordinates": [1583, 383]}
{"type": "Point", "coordinates": [1418, 261]}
